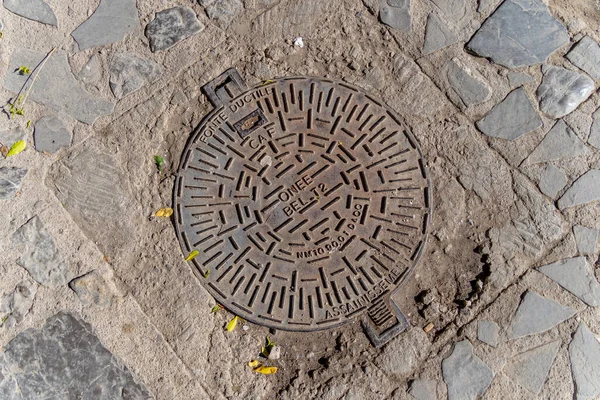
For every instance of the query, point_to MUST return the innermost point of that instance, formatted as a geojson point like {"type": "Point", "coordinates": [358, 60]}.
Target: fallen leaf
{"type": "Point", "coordinates": [106, 260]}
{"type": "Point", "coordinates": [265, 370]}
{"type": "Point", "coordinates": [207, 274]}
{"type": "Point", "coordinates": [254, 364]}
{"type": "Point", "coordinates": [216, 308]}
{"type": "Point", "coordinates": [17, 148]}
{"type": "Point", "coordinates": [3, 150]}
{"type": "Point", "coordinates": [429, 327]}
{"type": "Point", "coordinates": [164, 212]}
{"type": "Point", "coordinates": [232, 324]}
{"type": "Point", "coordinates": [265, 351]}
{"type": "Point", "coordinates": [192, 255]}
{"type": "Point", "coordinates": [266, 82]}
{"type": "Point", "coordinates": [23, 70]}
{"type": "Point", "coordinates": [28, 125]}
{"type": "Point", "coordinates": [159, 161]}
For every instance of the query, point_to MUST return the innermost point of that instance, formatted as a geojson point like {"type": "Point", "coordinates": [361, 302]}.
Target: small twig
{"type": "Point", "coordinates": [34, 74]}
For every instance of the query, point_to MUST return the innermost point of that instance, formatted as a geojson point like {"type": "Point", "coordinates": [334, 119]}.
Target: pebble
{"type": "Point", "coordinates": [51, 135]}
{"type": "Point", "coordinates": [512, 118]}
{"type": "Point", "coordinates": [584, 190]}
{"type": "Point", "coordinates": [129, 72]}
{"type": "Point", "coordinates": [488, 332]}
{"type": "Point", "coordinates": [576, 276]}
{"type": "Point", "coordinates": [110, 22]}
{"type": "Point", "coordinates": [586, 239]}
{"type": "Point", "coordinates": [465, 374]}
{"type": "Point", "coordinates": [584, 352]}
{"type": "Point", "coordinates": [552, 181]}
{"type": "Point", "coordinates": [396, 13]}
{"type": "Point", "coordinates": [531, 368]}
{"type": "Point", "coordinates": [298, 42]}
{"type": "Point", "coordinates": [35, 10]}
{"type": "Point", "coordinates": [10, 181]}
{"type": "Point", "coordinates": [91, 71]}
{"type": "Point", "coordinates": [585, 55]}
{"type": "Point", "coordinates": [562, 91]}
{"type": "Point", "coordinates": [171, 26]}
{"type": "Point", "coordinates": [224, 11]}
{"type": "Point", "coordinates": [537, 314]}
{"type": "Point", "coordinates": [559, 143]}
{"type": "Point", "coordinates": [470, 90]}
{"type": "Point", "coordinates": [275, 353]}
{"type": "Point", "coordinates": [519, 33]}
{"type": "Point", "coordinates": [437, 35]}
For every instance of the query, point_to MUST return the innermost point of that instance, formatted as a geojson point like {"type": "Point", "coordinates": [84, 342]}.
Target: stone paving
{"type": "Point", "coordinates": [96, 301]}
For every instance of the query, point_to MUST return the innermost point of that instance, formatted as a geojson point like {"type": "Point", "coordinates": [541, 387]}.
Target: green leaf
{"type": "Point", "coordinates": [28, 124]}
{"type": "Point", "coordinates": [159, 161]}
{"type": "Point", "coordinates": [207, 274]}
{"type": "Point", "coordinates": [216, 308]}
{"type": "Point", "coordinates": [265, 351]}
{"type": "Point", "coordinates": [17, 148]}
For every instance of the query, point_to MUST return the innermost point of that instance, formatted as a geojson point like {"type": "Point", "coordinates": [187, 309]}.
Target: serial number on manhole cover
{"type": "Point", "coordinates": [307, 199]}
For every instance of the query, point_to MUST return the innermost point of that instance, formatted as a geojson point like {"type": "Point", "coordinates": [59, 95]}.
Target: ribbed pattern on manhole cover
{"type": "Point", "coordinates": [308, 201]}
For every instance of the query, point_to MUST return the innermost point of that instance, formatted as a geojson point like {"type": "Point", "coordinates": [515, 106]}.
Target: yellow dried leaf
{"type": "Point", "coordinates": [216, 308]}
{"type": "Point", "coordinates": [265, 370]}
{"type": "Point", "coordinates": [164, 212]}
{"type": "Point", "coordinates": [192, 255]}
{"type": "Point", "coordinates": [17, 148]}
{"type": "Point", "coordinates": [232, 324]}
{"type": "Point", "coordinates": [254, 364]}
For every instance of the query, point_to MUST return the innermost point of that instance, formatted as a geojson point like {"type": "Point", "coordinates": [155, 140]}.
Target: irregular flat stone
{"type": "Point", "coordinates": [56, 87]}
{"type": "Point", "coordinates": [15, 305]}
{"type": "Point", "coordinates": [488, 332]}
{"type": "Point", "coordinates": [594, 138]}
{"type": "Point", "coordinates": [552, 181]}
{"type": "Point", "coordinates": [65, 357]}
{"type": "Point", "coordinates": [452, 9]}
{"type": "Point", "coordinates": [512, 118]}
{"type": "Point", "coordinates": [466, 376]}
{"type": "Point", "coordinates": [486, 5]}
{"type": "Point", "coordinates": [537, 314]}
{"type": "Point", "coordinates": [584, 190]}
{"type": "Point", "coordinates": [423, 389]}
{"type": "Point", "coordinates": [40, 256]}
{"type": "Point", "coordinates": [519, 33]}
{"type": "Point", "coordinates": [576, 276]}
{"type": "Point", "coordinates": [559, 143]}
{"type": "Point", "coordinates": [516, 79]}
{"type": "Point", "coordinates": [10, 181]}
{"type": "Point", "coordinates": [531, 368]}
{"type": "Point", "coordinates": [91, 71]}
{"type": "Point", "coordinates": [584, 352]}
{"type": "Point", "coordinates": [11, 136]}
{"type": "Point", "coordinates": [96, 288]}
{"type": "Point", "coordinates": [35, 10]}
{"type": "Point", "coordinates": [562, 91]}
{"type": "Point", "coordinates": [51, 134]}
{"type": "Point", "coordinates": [224, 11]}
{"type": "Point", "coordinates": [586, 239]}
{"type": "Point", "coordinates": [129, 72]}
{"type": "Point", "coordinates": [171, 26]}
{"type": "Point", "coordinates": [395, 13]}
{"type": "Point", "coordinates": [112, 20]}
{"type": "Point", "coordinates": [585, 55]}
{"type": "Point", "coordinates": [470, 89]}
{"type": "Point", "coordinates": [404, 353]}
{"type": "Point", "coordinates": [437, 35]}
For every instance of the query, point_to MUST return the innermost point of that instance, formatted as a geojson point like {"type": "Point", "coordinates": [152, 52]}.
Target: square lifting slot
{"type": "Point", "coordinates": [250, 123]}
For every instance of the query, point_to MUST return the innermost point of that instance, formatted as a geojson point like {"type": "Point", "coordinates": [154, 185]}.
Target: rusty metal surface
{"type": "Point", "coordinates": [308, 201]}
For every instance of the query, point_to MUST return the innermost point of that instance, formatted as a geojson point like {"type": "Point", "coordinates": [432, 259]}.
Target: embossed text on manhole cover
{"type": "Point", "coordinates": [308, 201]}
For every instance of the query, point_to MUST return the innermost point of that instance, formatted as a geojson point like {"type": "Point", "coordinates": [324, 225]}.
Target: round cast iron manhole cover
{"type": "Point", "coordinates": [307, 199]}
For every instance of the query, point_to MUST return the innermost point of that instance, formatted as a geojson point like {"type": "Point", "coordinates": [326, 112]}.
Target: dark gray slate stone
{"type": "Point", "coordinates": [584, 352]}
{"type": "Point", "coordinates": [586, 56]}
{"type": "Point", "coordinates": [537, 314]}
{"type": "Point", "coordinates": [469, 89]}
{"type": "Point", "coordinates": [559, 143]}
{"type": "Point", "coordinates": [51, 135]}
{"type": "Point", "coordinates": [584, 190]}
{"type": "Point", "coordinates": [562, 91]}
{"type": "Point", "coordinates": [36, 10]}
{"type": "Point", "coordinates": [10, 181]}
{"type": "Point", "coordinates": [224, 11]}
{"type": "Point", "coordinates": [519, 33]}
{"type": "Point", "coordinates": [576, 276]}
{"type": "Point", "coordinates": [65, 360]}
{"type": "Point", "coordinates": [466, 376]}
{"type": "Point", "coordinates": [91, 71]}
{"type": "Point", "coordinates": [516, 79]}
{"type": "Point", "coordinates": [586, 239]}
{"type": "Point", "coordinates": [488, 332]}
{"type": "Point", "coordinates": [437, 35]}
{"type": "Point", "coordinates": [512, 118]}
{"type": "Point", "coordinates": [112, 20]}
{"type": "Point", "coordinates": [11, 136]}
{"type": "Point", "coordinates": [531, 368]}
{"type": "Point", "coordinates": [552, 181]}
{"type": "Point", "coordinates": [594, 138]}
{"type": "Point", "coordinates": [56, 87]}
{"type": "Point", "coordinates": [423, 389]}
{"type": "Point", "coordinates": [14, 306]}
{"type": "Point", "coordinates": [40, 256]}
{"type": "Point", "coordinates": [395, 13]}
{"type": "Point", "coordinates": [171, 26]}
{"type": "Point", "coordinates": [129, 72]}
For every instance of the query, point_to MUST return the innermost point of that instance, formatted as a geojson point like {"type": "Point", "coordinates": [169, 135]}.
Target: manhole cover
{"type": "Point", "coordinates": [308, 201]}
